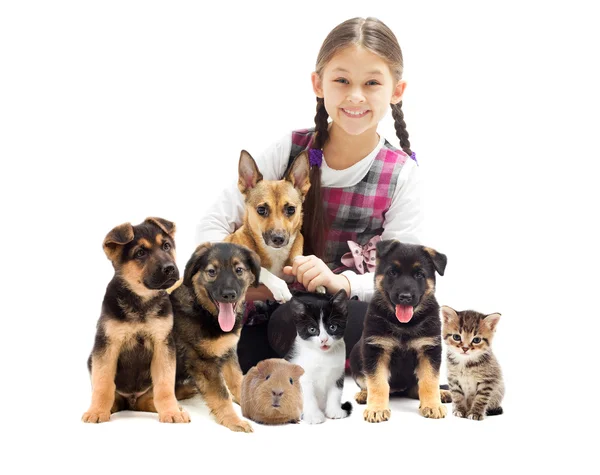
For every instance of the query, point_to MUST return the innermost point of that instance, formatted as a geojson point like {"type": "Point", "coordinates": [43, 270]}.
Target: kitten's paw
{"type": "Point", "coordinates": [445, 396]}
{"type": "Point", "coordinates": [475, 416]}
{"type": "Point", "coordinates": [361, 397]}
{"type": "Point", "coordinates": [336, 413]}
{"type": "Point", "coordinates": [316, 417]}
{"type": "Point", "coordinates": [380, 415]}
{"type": "Point", "coordinates": [458, 413]}
{"type": "Point", "coordinates": [433, 412]}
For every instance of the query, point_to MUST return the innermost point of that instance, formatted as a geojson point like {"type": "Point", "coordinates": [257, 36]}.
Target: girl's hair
{"type": "Point", "coordinates": [373, 35]}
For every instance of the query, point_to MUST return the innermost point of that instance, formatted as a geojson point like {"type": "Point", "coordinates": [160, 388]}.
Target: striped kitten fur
{"type": "Point", "coordinates": [474, 375]}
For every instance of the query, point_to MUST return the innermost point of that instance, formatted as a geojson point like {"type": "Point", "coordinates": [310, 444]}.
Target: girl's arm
{"type": "Point", "coordinates": [403, 221]}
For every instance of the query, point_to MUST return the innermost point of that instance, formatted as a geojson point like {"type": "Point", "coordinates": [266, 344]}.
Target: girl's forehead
{"type": "Point", "coordinates": [357, 59]}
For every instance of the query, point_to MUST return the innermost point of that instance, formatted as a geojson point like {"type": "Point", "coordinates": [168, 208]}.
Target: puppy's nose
{"type": "Point", "coordinates": [277, 392]}
{"type": "Point", "coordinates": [405, 297]}
{"type": "Point", "coordinates": [229, 295]}
{"type": "Point", "coordinates": [278, 239]}
{"type": "Point", "coordinates": [168, 269]}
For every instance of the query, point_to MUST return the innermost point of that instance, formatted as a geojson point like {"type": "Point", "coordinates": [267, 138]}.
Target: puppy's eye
{"type": "Point", "coordinates": [476, 340]}
{"type": "Point", "coordinates": [166, 246]}
{"type": "Point", "coordinates": [141, 253]}
{"type": "Point", "coordinates": [268, 376]}
{"type": "Point", "coordinates": [392, 273]}
{"type": "Point", "coordinates": [291, 381]}
{"type": "Point", "coordinates": [312, 330]}
{"type": "Point", "coordinates": [290, 210]}
{"type": "Point", "coordinates": [333, 327]}
{"type": "Point", "coordinates": [239, 270]}
{"type": "Point", "coordinates": [456, 337]}
{"type": "Point", "coordinates": [211, 272]}
{"type": "Point", "coordinates": [419, 274]}
{"type": "Point", "coordinates": [262, 211]}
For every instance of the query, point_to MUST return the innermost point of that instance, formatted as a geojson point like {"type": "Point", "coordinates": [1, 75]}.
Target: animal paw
{"type": "Point", "coordinates": [458, 413]}
{"type": "Point", "coordinates": [279, 289]}
{"type": "Point", "coordinates": [238, 425]}
{"type": "Point", "coordinates": [174, 416]}
{"type": "Point", "coordinates": [475, 416]}
{"type": "Point", "coordinates": [445, 395]}
{"type": "Point", "coordinates": [434, 412]}
{"type": "Point", "coordinates": [378, 415]}
{"type": "Point", "coordinates": [335, 413]}
{"type": "Point", "coordinates": [316, 417]}
{"type": "Point", "coordinates": [361, 397]}
{"type": "Point", "coordinates": [95, 416]}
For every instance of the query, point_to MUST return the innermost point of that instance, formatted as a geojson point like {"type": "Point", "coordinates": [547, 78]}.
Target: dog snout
{"type": "Point", "coordinates": [168, 269]}
{"type": "Point", "coordinates": [404, 297]}
{"type": "Point", "coordinates": [229, 295]}
{"type": "Point", "coordinates": [278, 238]}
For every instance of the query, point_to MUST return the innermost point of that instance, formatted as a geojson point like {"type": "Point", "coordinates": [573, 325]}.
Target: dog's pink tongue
{"type": "Point", "coordinates": [226, 316]}
{"type": "Point", "coordinates": [404, 313]}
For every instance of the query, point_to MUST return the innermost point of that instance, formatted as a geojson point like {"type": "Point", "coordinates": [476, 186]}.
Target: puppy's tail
{"type": "Point", "coordinates": [347, 406]}
{"type": "Point", "coordinates": [494, 411]}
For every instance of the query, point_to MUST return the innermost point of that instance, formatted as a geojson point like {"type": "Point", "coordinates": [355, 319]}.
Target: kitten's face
{"type": "Point", "coordinates": [468, 334]}
{"type": "Point", "coordinates": [321, 320]}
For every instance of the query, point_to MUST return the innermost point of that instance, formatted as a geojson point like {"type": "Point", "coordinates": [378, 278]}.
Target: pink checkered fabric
{"type": "Point", "coordinates": [356, 213]}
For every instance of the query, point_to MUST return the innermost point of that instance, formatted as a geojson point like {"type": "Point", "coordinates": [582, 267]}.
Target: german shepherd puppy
{"type": "Point", "coordinates": [208, 309]}
{"type": "Point", "coordinates": [400, 350]}
{"type": "Point", "coordinates": [133, 359]}
{"type": "Point", "coordinates": [273, 219]}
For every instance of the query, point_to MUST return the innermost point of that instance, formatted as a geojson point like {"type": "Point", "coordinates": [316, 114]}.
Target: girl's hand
{"type": "Point", "coordinates": [311, 272]}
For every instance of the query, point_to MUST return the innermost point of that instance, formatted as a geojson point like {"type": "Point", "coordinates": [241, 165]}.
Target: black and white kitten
{"type": "Point", "coordinates": [320, 349]}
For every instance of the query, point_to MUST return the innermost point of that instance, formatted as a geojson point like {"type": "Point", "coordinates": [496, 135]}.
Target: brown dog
{"type": "Point", "coordinates": [208, 309]}
{"type": "Point", "coordinates": [133, 360]}
{"type": "Point", "coordinates": [273, 219]}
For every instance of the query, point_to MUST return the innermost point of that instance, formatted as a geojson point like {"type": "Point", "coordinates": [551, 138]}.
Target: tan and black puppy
{"type": "Point", "coordinates": [273, 219]}
{"type": "Point", "coordinates": [208, 309]}
{"type": "Point", "coordinates": [400, 350]}
{"type": "Point", "coordinates": [133, 359]}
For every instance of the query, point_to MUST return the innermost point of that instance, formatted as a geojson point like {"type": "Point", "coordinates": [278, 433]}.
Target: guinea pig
{"type": "Point", "coordinates": [271, 392]}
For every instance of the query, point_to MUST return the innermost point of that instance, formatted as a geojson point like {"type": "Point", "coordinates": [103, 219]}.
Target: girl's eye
{"type": "Point", "coordinates": [291, 381]}
{"type": "Point", "coordinates": [333, 327]}
{"type": "Point", "coordinates": [166, 246]}
{"type": "Point", "coordinates": [262, 211]}
{"type": "Point", "coordinates": [456, 337]}
{"type": "Point", "coordinates": [476, 340]}
{"type": "Point", "coordinates": [211, 272]}
{"type": "Point", "coordinates": [342, 81]}
{"type": "Point", "coordinates": [372, 83]}
{"type": "Point", "coordinates": [291, 210]}
{"type": "Point", "coordinates": [312, 330]}
{"type": "Point", "coordinates": [239, 270]}
{"type": "Point", "coordinates": [140, 253]}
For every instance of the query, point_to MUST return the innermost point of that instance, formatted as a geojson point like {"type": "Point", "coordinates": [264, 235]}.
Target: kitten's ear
{"type": "Point", "coordinates": [297, 307]}
{"type": "Point", "coordinates": [439, 260]}
{"type": "Point", "coordinates": [491, 321]}
{"type": "Point", "coordinates": [265, 367]}
{"type": "Point", "coordinates": [449, 315]}
{"type": "Point", "coordinates": [340, 299]}
{"type": "Point", "coordinates": [297, 371]}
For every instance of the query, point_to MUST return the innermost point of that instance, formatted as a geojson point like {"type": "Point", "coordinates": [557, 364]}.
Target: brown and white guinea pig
{"type": "Point", "coordinates": [271, 392]}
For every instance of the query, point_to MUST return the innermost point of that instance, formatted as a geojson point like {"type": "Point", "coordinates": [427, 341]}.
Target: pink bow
{"type": "Point", "coordinates": [360, 257]}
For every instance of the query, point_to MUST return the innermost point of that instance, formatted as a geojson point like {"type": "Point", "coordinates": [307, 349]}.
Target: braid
{"type": "Point", "coordinates": [400, 127]}
{"type": "Point", "coordinates": [321, 125]}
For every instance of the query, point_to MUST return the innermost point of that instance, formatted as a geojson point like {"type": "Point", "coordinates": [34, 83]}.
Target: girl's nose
{"type": "Point", "coordinates": [356, 97]}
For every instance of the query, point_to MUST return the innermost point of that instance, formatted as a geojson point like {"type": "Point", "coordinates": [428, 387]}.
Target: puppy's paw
{"type": "Point", "coordinates": [361, 397]}
{"type": "Point", "coordinates": [377, 415]}
{"type": "Point", "coordinates": [314, 417]}
{"type": "Point", "coordinates": [240, 426]}
{"type": "Point", "coordinates": [475, 416]}
{"type": "Point", "coordinates": [279, 289]}
{"type": "Point", "coordinates": [175, 416]}
{"type": "Point", "coordinates": [433, 412]}
{"type": "Point", "coordinates": [95, 416]}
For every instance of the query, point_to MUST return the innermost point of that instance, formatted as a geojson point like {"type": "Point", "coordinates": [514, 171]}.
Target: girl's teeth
{"type": "Point", "coordinates": [354, 112]}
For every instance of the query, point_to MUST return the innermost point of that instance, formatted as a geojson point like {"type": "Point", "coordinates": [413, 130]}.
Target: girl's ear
{"type": "Point", "coordinates": [317, 84]}
{"type": "Point", "coordinates": [398, 92]}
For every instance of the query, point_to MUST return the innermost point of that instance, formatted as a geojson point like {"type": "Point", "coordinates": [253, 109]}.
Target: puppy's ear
{"type": "Point", "coordinates": [165, 226]}
{"type": "Point", "coordinates": [119, 236]}
{"type": "Point", "coordinates": [248, 174]}
{"type": "Point", "coordinates": [299, 174]}
{"type": "Point", "coordinates": [385, 247]}
{"type": "Point", "coordinates": [439, 260]}
{"type": "Point", "coordinates": [195, 262]}
{"type": "Point", "coordinates": [491, 321]}
{"type": "Point", "coordinates": [253, 263]}
{"type": "Point", "coordinates": [449, 315]}
{"type": "Point", "coordinates": [265, 367]}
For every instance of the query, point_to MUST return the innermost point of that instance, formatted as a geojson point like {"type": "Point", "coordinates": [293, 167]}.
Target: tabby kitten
{"type": "Point", "coordinates": [474, 375]}
{"type": "Point", "coordinates": [320, 350]}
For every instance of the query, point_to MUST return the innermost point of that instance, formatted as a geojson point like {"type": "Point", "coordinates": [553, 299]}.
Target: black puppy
{"type": "Point", "coordinates": [133, 359]}
{"type": "Point", "coordinates": [400, 349]}
{"type": "Point", "coordinates": [208, 310]}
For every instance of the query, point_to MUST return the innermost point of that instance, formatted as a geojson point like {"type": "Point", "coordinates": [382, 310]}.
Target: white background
{"type": "Point", "coordinates": [114, 111]}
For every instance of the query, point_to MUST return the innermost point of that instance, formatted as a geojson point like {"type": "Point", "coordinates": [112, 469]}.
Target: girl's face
{"type": "Point", "coordinates": [357, 87]}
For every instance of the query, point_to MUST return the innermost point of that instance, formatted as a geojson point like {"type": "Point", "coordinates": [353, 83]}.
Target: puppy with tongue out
{"type": "Point", "coordinates": [402, 333]}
